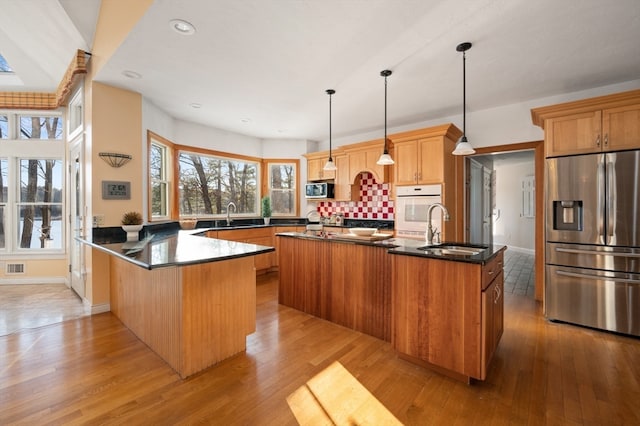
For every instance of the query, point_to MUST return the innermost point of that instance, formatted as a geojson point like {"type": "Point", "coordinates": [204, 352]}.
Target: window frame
{"type": "Point", "coordinates": [181, 149]}
{"type": "Point", "coordinates": [169, 166]}
{"type": "Point", "coordinates": [15, 150]}
{"type": "Point", "coordinates": [267, 190]}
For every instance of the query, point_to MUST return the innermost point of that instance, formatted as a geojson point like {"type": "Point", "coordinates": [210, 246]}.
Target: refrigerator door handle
{"type": "Point", "coordinates": [598, 253]}
{"type": "Point", "coordinates": [611, 197]}
{"type": "Point", "coordinates": [601, 201]}
{"type": "Point", "coordinates": [598, 278]}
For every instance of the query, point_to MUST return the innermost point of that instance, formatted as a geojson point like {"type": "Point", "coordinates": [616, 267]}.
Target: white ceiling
{"type": "Point", "coordinates": [270, 61]}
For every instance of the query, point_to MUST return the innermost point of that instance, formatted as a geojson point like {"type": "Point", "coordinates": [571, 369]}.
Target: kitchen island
{"type": "Point", "coordinates": [439, 307]}
{"type": "Point", "coordinates": [190, 298]}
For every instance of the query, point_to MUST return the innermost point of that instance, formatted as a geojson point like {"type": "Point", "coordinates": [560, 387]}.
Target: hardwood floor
{"type": "Point", "coordinates": [93, 370]}
{"type": "Point", "coordinates": [34, 305]}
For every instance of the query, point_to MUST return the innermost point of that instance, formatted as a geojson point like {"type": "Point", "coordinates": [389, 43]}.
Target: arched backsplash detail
{"type": "Point", "coordinates": [373, 203]}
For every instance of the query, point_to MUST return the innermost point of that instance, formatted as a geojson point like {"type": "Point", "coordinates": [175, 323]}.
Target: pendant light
{"type": "Point", "coordinates": [330, 165]}
{"type": "Point", "coordinates": [463, 147]}
{"type": "Point", "coordinates": [385, 159]}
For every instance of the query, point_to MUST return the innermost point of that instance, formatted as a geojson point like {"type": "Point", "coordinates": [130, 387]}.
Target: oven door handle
{"type": "Point", "coordinates": [597, 278]}
{"type": "Point", "coordinates": [598, 253]}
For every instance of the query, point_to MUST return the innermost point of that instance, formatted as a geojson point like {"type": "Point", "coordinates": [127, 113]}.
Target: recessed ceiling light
{"type": "Point", "coordinates": [131, 74]}
{"type": "Point", "coordinates": [182, 27]}
{"type": "Point", "coordinates": [195, 105]}
{"type": "Point", "coordinates": [245, 120]}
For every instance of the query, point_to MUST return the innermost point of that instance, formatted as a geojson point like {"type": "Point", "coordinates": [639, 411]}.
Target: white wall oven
{"type": "Point", "coordinates": [412, 203]}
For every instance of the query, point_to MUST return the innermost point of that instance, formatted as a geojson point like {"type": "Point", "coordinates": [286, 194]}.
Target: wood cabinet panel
{"type": "Point", "coordinates": [315, 167]}
{"type": "Point", "coordinates": [192, 316]}
{"type": "Point", "coordinates": [601, 124]}
{"type": "Point", "coordinates": [305, 275]}
{"type": "Point", "coordinates": [573, 134]}
{"type": "Point", "coordinates": [621, 128]}
{"type": "Point", "coordinates": [441, 316]}
{"type": "Point", "coordinates": [262, 236]}
{"type": "Point", "coordinates": [344, 283]}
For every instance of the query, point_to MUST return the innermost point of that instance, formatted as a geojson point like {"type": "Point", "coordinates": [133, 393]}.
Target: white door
{"type": "Point", "coordinates": [475, 202]}
{"type": "Point", "coordinates": [487, 207]}
{"type": "Point", "coordinates": [76, 216]}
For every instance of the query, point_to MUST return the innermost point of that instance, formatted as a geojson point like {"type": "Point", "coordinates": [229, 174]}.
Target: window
{"type": "Point", "coordinates": [45, 127]}
{"type": "Point", "coordinates": [282, 186]}
{"type": "Point", "coordinates": [160, 154]}
{"type": "Point", "coordinates": [4, 127]}
{"type": "Point", "coordinates": [208, 183]}
{"type": "Point", "coordinates": [32, 184]}
{"type": "Point", "coordinates": [39, 209]}
{"type": "Point", "coordinates": [4, 66]}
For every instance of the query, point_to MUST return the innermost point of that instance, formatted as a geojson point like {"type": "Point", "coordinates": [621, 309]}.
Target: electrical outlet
{"type": "Point", "coordinates": [98, 220]}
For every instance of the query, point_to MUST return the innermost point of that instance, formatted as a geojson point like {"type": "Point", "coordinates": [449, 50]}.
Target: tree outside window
{"type": "Point", "coordinates": [207, 184]}
{"type": "Point", "coordinates": [282, 181]}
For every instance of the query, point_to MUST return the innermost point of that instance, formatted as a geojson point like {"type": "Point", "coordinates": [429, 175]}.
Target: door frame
{"type": "Point", "coordinates": [77, 224]}
{"type": "Point", "coordinates": [538, 148]}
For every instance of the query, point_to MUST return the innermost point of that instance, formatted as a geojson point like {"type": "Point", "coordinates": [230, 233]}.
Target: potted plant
{"type": "Point", "coordinates": [266, 209]}
{"type": "Point", "coordinates": [132, 224]}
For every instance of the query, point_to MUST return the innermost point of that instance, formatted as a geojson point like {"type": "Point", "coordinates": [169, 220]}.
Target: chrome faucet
{"type": "Point", "coordinates": [445, 216]}
{"type": "Point", "coordinates": [235, 209]}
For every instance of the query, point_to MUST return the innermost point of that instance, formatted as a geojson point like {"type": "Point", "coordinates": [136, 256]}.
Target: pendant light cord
{"type": "Point", "coordinates": [330, 92]}
{"type": "Point", "coordinates": [385, 74]}
{"type": "Point", "coordinates": [464, 93]}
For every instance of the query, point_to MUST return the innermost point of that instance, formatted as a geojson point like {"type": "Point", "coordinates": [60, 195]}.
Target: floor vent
{"type": "Point", "coordinates": [15, 268]}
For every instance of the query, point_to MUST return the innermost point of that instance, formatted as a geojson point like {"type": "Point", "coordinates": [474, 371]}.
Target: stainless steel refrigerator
{"type": "Point", "coordinates": [593, 241]}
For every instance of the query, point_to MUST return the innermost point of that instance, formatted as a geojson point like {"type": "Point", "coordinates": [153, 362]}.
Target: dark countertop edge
{"type": "Point", "coordinates": [396, 246]}
{"type": "Point", "coordinates": [481, 259]}
{"type": "Point", "coordinates": [195, 233]}
{"type": "Point", "coordinates": [379, 243]}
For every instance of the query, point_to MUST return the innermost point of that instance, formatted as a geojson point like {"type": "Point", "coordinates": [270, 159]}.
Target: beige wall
{"type": "Point", "coordinates": [113, 123]}
{"type": "Point", "coordinates": [37, 271]}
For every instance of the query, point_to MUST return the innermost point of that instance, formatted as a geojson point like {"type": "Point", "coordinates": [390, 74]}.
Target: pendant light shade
{"type": "Point", "coordinates": [330, 165]}
{"type": "Point", "coordinates": [385, 159]}
{"type": "Point", "coordinates": [463, 147]}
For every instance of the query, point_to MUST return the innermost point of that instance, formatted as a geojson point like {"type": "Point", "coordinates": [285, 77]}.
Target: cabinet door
{"type": "Point", "coordinates": [621, 128]}
{"type": "Point", "coordinates": [488, 339]}
{"type": "Point", "coordinates": [573, 134]}
{"type": "Point", "coordinates": [315, 170]}
{"type": "Point", "coordinates": [357, 164]}
{"type": "Point", "coordinates": [342, 184]}
{"type": "Point", "coordinates": [430, 160]}
{"type": "Point", "coordinates": [498, 310]}
{"type": "Point", "coordinates": [406, 163]}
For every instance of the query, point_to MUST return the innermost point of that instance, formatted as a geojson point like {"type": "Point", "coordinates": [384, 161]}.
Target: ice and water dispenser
{"type": "Point", "coordinates": [567, 215]}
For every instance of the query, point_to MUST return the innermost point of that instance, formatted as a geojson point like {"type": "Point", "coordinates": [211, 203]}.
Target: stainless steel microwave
{"type": "Point", "coordinates": [319, 190]}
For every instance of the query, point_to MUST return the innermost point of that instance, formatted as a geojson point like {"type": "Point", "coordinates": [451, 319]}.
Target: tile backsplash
{"type": "Point", "coordinates": [374, 202]}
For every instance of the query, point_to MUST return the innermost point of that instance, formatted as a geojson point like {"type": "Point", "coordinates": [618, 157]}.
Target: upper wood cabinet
{"type": "Point", "coordinates": [315, 166]}
{"type": "Point", "coordinates": [363, 157]}
{"type": "Point", "coordinates": [344, 188]}
{"type": "Point", "coordinates": [425, 156]}
{"type": "Point", "coordinates": [605, 123]}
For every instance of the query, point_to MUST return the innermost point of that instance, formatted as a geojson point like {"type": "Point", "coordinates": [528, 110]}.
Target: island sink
{"type": "Point", "coordinates": [453, 249]}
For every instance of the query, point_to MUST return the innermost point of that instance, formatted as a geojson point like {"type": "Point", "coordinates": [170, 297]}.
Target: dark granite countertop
{"type": "Point", "coordinates": [178, 249]}
{"type": "Point", "coordinates": [409, 247]}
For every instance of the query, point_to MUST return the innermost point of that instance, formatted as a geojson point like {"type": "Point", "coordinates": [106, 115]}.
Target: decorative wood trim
{"type": "Point", "coordinates": [45, 100]}
{"type": "Point", "coordinates": [539, 115]}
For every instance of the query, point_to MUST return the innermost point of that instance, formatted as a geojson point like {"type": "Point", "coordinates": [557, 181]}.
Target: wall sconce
{"type": "Point", "coordinates": [114, 159]}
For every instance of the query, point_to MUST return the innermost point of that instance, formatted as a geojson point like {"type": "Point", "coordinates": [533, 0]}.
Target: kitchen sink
{"type": "Point", "coordinates": [453, 249]}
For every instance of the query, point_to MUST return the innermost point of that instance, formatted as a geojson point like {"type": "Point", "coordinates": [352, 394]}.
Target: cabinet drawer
{"type": "Point", "coordinates": [491, 270]}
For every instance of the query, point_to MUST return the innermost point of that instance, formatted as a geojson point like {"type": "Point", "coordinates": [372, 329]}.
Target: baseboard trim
{"type": "Point", "coordinates": [521, 250]}
{"type": "Point", "coordinates": [34, 280]}
{"type": "Point", "coordinates": [97, 309]}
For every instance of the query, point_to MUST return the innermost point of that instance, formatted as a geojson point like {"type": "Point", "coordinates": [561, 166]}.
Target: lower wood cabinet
{"type": "Point", "coordinates": [261, 236]}
{"type": "Point", "coordinates": [443, 316]}
{"type": "Point", "coordinates": [349, 284]}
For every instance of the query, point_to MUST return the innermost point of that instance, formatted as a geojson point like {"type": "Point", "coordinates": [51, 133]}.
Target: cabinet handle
{"type": "Point", "coordinates": [598, 141]}
{"type": "Point", "coordinates": [490, 272]}
{"type": "Point", "coordinates": [606, 139]}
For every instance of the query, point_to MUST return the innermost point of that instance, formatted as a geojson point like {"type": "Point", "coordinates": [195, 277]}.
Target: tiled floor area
{"type": "Point", "coordinates": [519, 273]}
{"type": "Point", "coordinates": [35, 305]}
